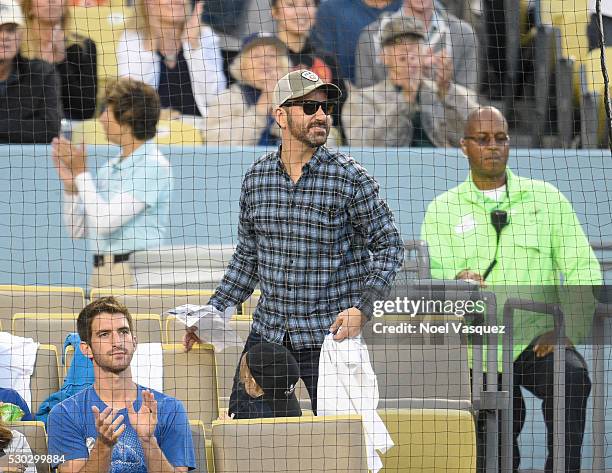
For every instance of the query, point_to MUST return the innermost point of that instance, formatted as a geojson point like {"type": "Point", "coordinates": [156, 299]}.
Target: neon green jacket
{"type": "Point", "coordinates": [543, 245]}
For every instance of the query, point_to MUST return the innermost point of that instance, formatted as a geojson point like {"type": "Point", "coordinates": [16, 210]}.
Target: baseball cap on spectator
{"type": "Point", "coordinates": [258, 39]}
{"type": "Point", "coordinates": [299, 83]}
{"type": "Point", "coordinates": [11, 13]}
{"type": "Point", "coordinates": [275, 370]}
{"type": "Point", "coordinates": [391, 29]}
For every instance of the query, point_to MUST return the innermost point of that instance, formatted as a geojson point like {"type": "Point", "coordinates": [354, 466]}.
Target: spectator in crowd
{"type": "Point", "coordinates": [339, 24]}
{"type": "Point", "coordinates": [407, 108]}
{"type": "Point", "coordinates": [14, 443]}
{"type": "Point", "coordinates": [453, 43]}
{"type": "Point", "coordinates": [30, 107]}
{"type": "Point", "coordinates": [10, 396]}
{"type": "Point", "coordinates": [294, 20]}
{"type": "Point", "coordinates": [268, 376]}
{"type": "Point", "coordinates": [312, 231]}
{"type": "Point", "coordinates": [168, 48]}
{"type": "Point", "coordinates": [73, 55]}
{"type": "Point", "coordinates": [541, 239]}
{"type": "Point", "coordinates": [593, 28]}
{"type": "Point", "coordinates": [128, 210]}
{"type": "Point", "coordinates": [243, 114]}
{"type": "Point", "coordinates": [116, 425]}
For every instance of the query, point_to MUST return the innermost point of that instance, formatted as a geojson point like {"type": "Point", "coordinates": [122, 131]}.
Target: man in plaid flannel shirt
{"type": "Point", "coordinates": [315, 235]}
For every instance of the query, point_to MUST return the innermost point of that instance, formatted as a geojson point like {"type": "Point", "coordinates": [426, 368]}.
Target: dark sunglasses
{"type": "Point", "coordinates": [310, 107]}
{"type": "Point", "coordinates": [486, 139]}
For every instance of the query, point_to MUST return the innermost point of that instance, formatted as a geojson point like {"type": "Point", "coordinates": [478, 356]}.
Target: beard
{"type": "Point", "coordinates": [306, 134]}
{"type": "Point", "coordinates": [110, 368]}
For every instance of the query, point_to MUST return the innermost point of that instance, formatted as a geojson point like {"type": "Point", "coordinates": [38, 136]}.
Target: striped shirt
{"type": "Point", "coordinates": [316, 247]}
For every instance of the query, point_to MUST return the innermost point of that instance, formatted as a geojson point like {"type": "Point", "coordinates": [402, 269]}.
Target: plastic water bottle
{"type": "Point", "coordinates": [66, 129]}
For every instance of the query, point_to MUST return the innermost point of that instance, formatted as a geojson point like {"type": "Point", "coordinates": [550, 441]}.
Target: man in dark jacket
{"type": "Point", "coordinates": [30, 107]}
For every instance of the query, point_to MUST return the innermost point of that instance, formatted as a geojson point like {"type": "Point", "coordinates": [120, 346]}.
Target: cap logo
{"type": "Point", "coordinates": [289, 391]}
{"type": "Point", "coordinates": [311, 76]}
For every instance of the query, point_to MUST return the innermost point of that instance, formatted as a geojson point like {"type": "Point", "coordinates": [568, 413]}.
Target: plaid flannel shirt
{"type": "Point", "coordinates": [316, 247]}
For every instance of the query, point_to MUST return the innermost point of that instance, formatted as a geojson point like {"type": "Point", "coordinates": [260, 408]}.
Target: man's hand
{"type": "Point", "coordinates": [109, 430]}
{"type": "Point", "coordinates": [145, 420]}
{"type": "Point", "coordinates": [190, 338]}
{"type": "Point", "coordinates": [471, 276]}
{"type": "Point", "coordinates": [545, 344]}
{"type": "Point", "coordinates": [348, 324]}
{"type": "Point", "coordinates": [72, 157]}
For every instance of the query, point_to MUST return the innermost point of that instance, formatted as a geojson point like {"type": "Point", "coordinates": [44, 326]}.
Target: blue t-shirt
{"type": "Point", "coordinates": [10, 396]}
{"type": "Point", "coordinates": [72, 432]}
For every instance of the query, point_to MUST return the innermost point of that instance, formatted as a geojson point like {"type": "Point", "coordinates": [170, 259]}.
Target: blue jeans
{"type": "Point", "coordinates": [308, 361]}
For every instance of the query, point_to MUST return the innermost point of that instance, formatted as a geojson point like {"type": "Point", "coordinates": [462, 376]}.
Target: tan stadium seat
{"type": "Point", "coordinates": [36, 435]}
{"type": "Point", "coordinates": [155, 301]}
{"type": "Point", "coordinates": [191, 378]}
{"type": "Point", "coordinates": [423, 370]}
{"type": "Point", "coordinates": [45, 379]}
{"type": "Point", "coordinates": [52, 329]}
{"type": "Point", "coordinates": [203, 463]}
{"type": "Point", "coordinates": [595, 83]}
{"type": "Point", "coordinates": [332, 444]}
{"type": "Point", "coordinates": [20, 299]}
{"type": "Point", "coordinates": [429, 441]}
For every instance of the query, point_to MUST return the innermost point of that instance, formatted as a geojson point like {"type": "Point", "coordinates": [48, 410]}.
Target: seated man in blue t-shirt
{"type": "Point", "coordinates": [116, 425]}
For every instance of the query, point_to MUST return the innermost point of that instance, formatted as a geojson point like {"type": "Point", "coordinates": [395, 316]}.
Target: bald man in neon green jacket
{"type": "Point", "coordinates": [542, 246]}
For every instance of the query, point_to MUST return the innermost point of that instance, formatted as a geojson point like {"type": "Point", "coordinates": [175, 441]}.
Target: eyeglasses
{"type": "Point", "coordinates": [310, 107]}
{"type": "Point", "coordinates": [484, 140]}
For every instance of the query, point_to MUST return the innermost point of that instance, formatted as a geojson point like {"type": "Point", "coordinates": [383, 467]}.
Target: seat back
{"type": "Point", "coordinates": [36, 435]}
{"type": "Point", "coordinates": [191, 378]}
{"type": "Point", "coordinates": [199, 445]}
{"type": "Point", "coordinates": [429, 440]}
{"type": "Point", "coordinates": [51, 329]}
{"type": "Point", "coordinates": [419, 365]}
{"type": "Point", "coordinates": [154, 301]}
{"type": "Point", "coordinates": [330, 444]}
{"type": "Point", "coordinates": [45, 379]}
{"type": "Point", "coordinates": [20, 299]}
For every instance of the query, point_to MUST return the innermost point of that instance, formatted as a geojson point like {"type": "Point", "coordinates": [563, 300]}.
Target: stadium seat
{"type": "Point", "coordinates": [155, 301]}
{"type": "Point", "coordinates": [200, 446]}
{"type": "Point", "coordinates": [422, 370]}
{"type": "Point", "coordinates": [308, 444]}
{"type": "Point", "coordinates": [429, 441]}
{"type": "Point", "coordinates": [45, 379]}
{"type": "Point", "coordinates": [36, 435]}
{"type": "Point", "coordinates": [20, 299]}
{"type": "Point", "coordinates": [191, 377]}
{"type": "Point", "coordinates": [52, 329]}
{"type": "Point", "coordinates": [169, 132]}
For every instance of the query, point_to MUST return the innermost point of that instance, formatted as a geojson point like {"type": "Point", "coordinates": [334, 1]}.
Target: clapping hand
{"type": "Point", "coordinates": [109, 430]}
{"type": "Point", "coordinates": [145, 420]}
{"type": "Point", "coordinates": [191, 32]}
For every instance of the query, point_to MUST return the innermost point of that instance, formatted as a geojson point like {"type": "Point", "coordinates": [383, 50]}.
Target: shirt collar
{"type": "Point", "coordinates": [317, 158]}
{"type": "Point", "coordinates": [133, 159]}
{"type": "Point", "coordinates": [473, 194]}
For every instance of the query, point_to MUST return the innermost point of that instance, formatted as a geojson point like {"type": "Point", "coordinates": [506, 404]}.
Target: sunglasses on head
{"type": "Point", "coordinates": [310, 107]}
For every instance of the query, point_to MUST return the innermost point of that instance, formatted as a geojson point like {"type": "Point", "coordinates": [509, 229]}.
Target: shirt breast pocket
{"type": "Point", "coordinates": [324, 224]}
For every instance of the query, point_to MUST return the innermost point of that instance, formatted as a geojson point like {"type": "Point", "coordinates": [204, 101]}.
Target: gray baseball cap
{"type": "Point", "coordinates": [299, 83]}
{"type": "Point", "coordinates": [399, 26]}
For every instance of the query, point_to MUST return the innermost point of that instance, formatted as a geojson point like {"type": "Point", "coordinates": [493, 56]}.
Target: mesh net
{"type": "Point", "coordinates": [194, 195]}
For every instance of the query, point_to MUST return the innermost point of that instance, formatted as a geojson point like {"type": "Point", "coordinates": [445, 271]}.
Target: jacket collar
{"type": "Point", "coordinates": [469, 192]}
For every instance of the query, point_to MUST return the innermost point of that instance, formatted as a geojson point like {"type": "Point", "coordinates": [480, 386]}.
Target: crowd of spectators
{"type": "Point", "coordinates": [213, 64]}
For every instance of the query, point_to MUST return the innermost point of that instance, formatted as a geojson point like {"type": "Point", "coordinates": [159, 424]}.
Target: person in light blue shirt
{"type": "Point", "coordinates": [116, 425]}
{"type": "Point", "coordinates": [127, 208]}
